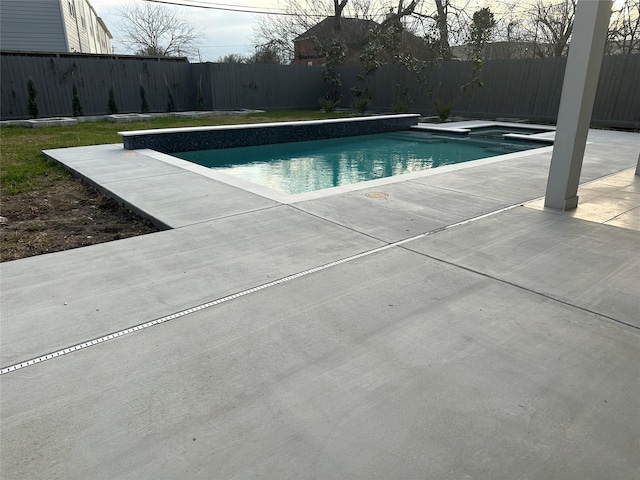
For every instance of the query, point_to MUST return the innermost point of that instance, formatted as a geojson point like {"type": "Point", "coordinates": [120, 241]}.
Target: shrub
{"type": "Point", "coordinates": [112, 106]}
{"type": "Point", "coordinates": [331, 75]}
{"type": "Point", "coordinates": [32, 104]}
{"type": "Point", "coordinates": [361, 104]}
{"type": "Point", "coordinates": [171, 105]}
{"type": "Point", "coordinates": [328, 105]}
{"type": "Point", "coordinates": [401, 97]}
{"type": "Point", "coordinates": [144, 106]}
{"type": "Point", "coordinates": [443, 111]}
{"type": "Point", "coordinates": [399, 107]}
{"type": "Point", "coordinates": [75, 103]}
{"type": "Point", "coordinates": [200, 96]}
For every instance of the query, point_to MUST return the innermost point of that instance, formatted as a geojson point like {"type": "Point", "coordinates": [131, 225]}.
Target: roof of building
{"type": "Point", "coordinates": [355, 34]}
{"type": "Point", "coordinates": [325, 28]}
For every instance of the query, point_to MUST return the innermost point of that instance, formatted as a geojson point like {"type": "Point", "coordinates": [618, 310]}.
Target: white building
{"type": "Point", "coordinates": [52, 26]}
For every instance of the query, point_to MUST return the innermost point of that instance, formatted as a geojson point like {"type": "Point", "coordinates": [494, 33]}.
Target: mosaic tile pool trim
{"type": "Point", "coordinates": [171, 140]}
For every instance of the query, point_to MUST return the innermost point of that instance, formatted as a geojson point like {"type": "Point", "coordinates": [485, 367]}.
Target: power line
{"type": "Point", "coordinates": [225, 46]}
{"type": "Point", "coordinates": [208, 2]}
{"type": "Point", "coordinates": [228, 8]}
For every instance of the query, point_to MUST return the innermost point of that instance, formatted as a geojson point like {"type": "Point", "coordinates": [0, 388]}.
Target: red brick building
{"type": "Point", "coordinates": [355, 33]}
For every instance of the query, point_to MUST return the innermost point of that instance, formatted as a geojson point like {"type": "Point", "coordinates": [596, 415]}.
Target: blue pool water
{"type": "Point", "coordinates": [307, 166]}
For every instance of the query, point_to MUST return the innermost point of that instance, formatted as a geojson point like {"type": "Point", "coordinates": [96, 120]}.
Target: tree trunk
{"type": "Point", "coordinates": [443, 29]}
{"type": "Point", "coordinates": [338, 8]}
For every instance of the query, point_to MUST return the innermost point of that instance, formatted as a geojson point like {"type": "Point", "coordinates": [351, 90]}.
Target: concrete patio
{"type": "Point", "coordinates": [451, 328]}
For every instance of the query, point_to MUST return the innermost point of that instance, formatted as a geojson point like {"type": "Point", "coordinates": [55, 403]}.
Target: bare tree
{"type": "Point", "coordinates": [555, 25]}
{"type": "Point", "coordinates": [443, 28]}
{"type": "Point", "coordinates": [282, 30]}
{"type": "Point", "coordinates": [232, 58]}
{"type": "Point", "coordinates": [543, 26]}
{"type": "Point", "coordinates": [438, 30]}
{"type": "Point", "coordinates": [624, 29]}
{"type": "Point", "coordinates": [338, 7]}
{"type": "Point", "coordinates": [308, 13]}
{"type": "Point", "coordinates": [535, 28]}
{"type": "Point", "coordinates": [443, 23]}
{"type": "Point", "coordinates": [157, 30]}
{"type": "Point", "coordinates": [401, 11]}
{"type": "Point", "coordinates": [269, 53]}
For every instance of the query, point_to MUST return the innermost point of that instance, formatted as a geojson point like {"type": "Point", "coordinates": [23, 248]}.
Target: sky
{"type": "Point", "coordinates": [224, 32]}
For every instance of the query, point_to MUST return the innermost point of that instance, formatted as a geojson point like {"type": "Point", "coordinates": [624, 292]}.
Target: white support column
{"type": "Point", "coordinates": [576, 104]}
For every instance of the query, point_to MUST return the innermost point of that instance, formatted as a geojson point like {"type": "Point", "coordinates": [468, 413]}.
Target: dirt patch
{"type": "Point", "coordinates": [69, 214]}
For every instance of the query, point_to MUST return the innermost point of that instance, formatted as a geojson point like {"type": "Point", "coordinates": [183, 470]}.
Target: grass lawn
{"type": "Point", "coordinates": [25, 169]}
{"type": "Point", "coordinates": [44, 209]}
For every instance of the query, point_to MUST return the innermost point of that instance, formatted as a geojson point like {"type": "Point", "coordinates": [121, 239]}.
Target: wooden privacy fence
{"type": "Point", "coordinates": [206, 86]}
{"type": "Point", "coordinates": [259, 86]}
{"type": "Point", "coordinates": [528, 88]}
{"type": "Point", "coordinates": [54, 75]}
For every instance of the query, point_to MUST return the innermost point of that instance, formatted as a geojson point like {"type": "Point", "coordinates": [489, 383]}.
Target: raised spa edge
{"type": "Point", "coordinates": [187, 139]}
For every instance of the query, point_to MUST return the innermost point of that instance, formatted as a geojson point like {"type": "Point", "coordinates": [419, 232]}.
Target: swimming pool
{"type": "Point", "coordinates": [308, 166]}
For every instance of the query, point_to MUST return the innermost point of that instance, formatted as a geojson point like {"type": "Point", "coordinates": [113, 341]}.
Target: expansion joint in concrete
{"type": "Point", "coordinates": [219, 301]}
{"type": "Point", "coordinates": [521, 287]}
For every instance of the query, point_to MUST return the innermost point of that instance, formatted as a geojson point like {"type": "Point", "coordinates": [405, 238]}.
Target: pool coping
{"type": "Point", "coordinates": [463, 128]}
{"type": "Point", "coordinates": [173, 193]}
{"type": "Point", "coordinates": [244, 126]}
{"type": "Point", "coordinates": [287, 199]}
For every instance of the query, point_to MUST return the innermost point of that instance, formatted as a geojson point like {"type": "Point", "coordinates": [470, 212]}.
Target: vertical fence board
{"type": "Point", "coordinates": [604, 91]}
{"type": "Point", "coordinates": [630, 92]}
{"type": "Point", "coordinates": [513, 92]}
{"type": "Point", "coordinates": [554, 98]}
{"type": "Point", "coordinates": [620, 100]}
